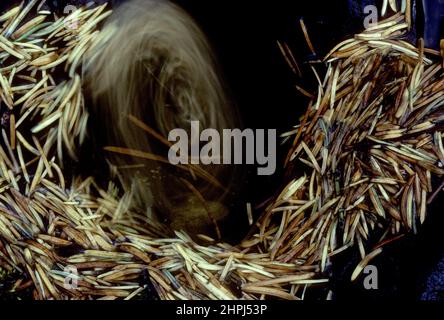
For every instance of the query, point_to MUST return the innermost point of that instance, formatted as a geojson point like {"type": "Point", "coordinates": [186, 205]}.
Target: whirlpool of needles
{"type": "Point", "coordinates": [264, 88]}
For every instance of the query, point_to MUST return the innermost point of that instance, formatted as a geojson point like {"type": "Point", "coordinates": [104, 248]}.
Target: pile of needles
{"type": "Point", "coordinates": [370, 141]}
